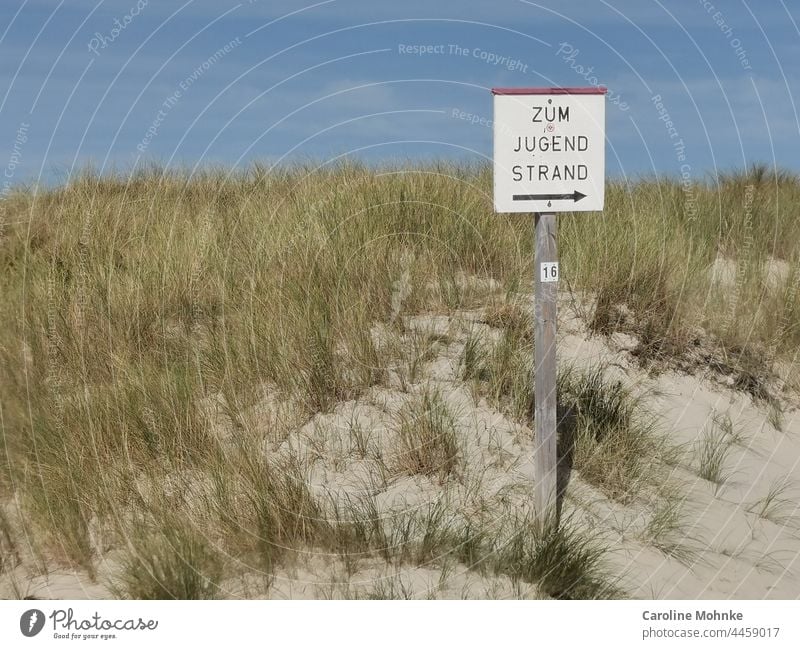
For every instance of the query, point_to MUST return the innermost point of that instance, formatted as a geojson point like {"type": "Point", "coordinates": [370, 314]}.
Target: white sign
{"type": "Point", "coordinates": [549, 149]}
{"type": "Point", "coordinates": [548, 271]}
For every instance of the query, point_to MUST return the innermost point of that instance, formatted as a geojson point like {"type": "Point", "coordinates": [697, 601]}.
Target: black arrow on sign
{"type": "Point", "coordinates": [574, 196]}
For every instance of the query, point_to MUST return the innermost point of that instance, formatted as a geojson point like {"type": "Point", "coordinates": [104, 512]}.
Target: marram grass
{"type": "Point", "coordinates": [128, 300]}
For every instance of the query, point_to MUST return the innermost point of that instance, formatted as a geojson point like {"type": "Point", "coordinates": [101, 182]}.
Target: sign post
{"type": "Point", "coordinates": [549, 156]}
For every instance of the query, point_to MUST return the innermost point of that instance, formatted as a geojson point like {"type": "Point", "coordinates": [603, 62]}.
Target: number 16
{"type": "Point", "coordinates": [548, 271]}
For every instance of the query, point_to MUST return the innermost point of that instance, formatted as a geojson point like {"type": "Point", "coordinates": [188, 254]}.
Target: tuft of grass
{"type": "Point", "coordinates": [603, 429]}
{"type": "Point", "coordinates": [420, 347]}
{"type": "Point", "coordinates": [512, 318]}
{"type": "Point", "coordinates": [666, 527]}
{"type": "Point", "coordinates": [59, 504]}
{"type": "Point", "coordinates": [359, 438]}
{"type": "Point", "coordinates": [610, 441]}
{"type": "Point", "coordinates": [775, 506]}
{"type": "Point", "coordinates": [423, 536]}
{"type": "Point", "coordinates": [469, 546]}
{"type": "Point", "coordinates": [472, 360]}
{"type": "Point", "coordinates": [267, 509]}
{"type": "Point", "coordinates": [713, 448]}
{"type": "Point", "coordinates": [356, 531]}
{"type": "Point", "coordinates": [727, 428]}
{"type": "Point", "coordinates": [504, 372]}
{"type": "Point", "coordinates": [643, 302]}
{"type": "Point", "coordinates": [775, 414]}
{"type": "Point", "coordinates": [563, 562]}
{"type": "Point", "coordinates": [427, 437]}
{"type": "Point", "coordinates": [173, 561]}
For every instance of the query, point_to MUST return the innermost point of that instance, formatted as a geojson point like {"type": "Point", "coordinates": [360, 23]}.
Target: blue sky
{"type": "Point", "coordinates": [318, 80]}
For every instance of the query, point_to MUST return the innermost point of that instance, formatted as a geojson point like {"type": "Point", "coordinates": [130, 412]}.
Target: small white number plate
{"type": "Point", "coordinates": [548, 271]}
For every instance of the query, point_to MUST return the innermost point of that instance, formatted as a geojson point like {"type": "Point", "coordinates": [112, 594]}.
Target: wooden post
{"type": "Point", "coordinates": [544, 310]}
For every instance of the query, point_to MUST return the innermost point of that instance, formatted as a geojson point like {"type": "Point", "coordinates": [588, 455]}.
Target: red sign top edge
{"type": "Point", "coordinates": [601, 90]}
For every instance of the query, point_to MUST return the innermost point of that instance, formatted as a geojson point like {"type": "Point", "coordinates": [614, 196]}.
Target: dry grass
{"type": "Point", "coordinates": [503, 371]}
{"type": "Point", "coordinates": [428, 438]}
{"type": "Point", "coordinates": [566, 563]}
{"type": "Point", "coordinates": [712, 450]}
{"type": "Point", "coordinates": [607, 433]}
{"type": "Point", "coordinates": [170, 562]}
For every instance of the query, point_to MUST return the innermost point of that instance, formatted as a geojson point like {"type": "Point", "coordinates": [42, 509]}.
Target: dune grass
{"type": "Point", "coordinates": [603, 430]}
{"type": "Point", "coordinates": [130, 299]}
{"type": "Point", "coordinates": [564, 562]}
{"type": "Point", "coordinates": [779, 505]}
{"type": "Point", "coordinates": [712, 451]}
{"type": "Point", "coordinates": [171, 562]}
{"type": "Point", "coordinates": [607, 433]}
{"type": "Point", "coordinates": [428, 437]}
{"type": "Point", "coordinates": [667, 524]}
